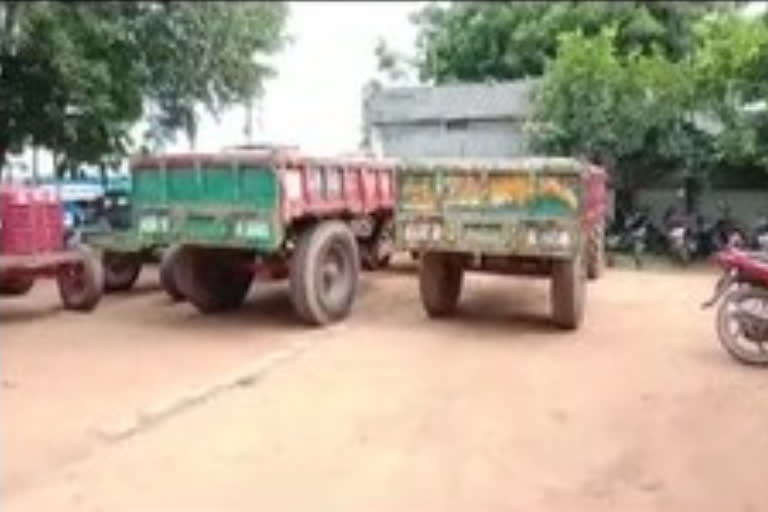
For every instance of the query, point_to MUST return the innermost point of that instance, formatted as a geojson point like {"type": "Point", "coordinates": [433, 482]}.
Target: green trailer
{"type": "Point", "coordinates": [536, 216]}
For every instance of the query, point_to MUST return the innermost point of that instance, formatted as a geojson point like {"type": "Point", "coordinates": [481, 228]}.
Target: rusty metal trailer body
{"type": "Point", "coordinates": [541, 216]}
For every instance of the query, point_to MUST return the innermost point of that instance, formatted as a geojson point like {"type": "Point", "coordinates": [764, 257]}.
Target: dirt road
{"type": "Point", "coordinates": [640, 410]}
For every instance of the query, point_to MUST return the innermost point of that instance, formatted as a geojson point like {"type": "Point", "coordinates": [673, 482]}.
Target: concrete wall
{"type": "Point", "coordinates": [492, 138]}
{"type": "Point", "coordinates": [745, 204]}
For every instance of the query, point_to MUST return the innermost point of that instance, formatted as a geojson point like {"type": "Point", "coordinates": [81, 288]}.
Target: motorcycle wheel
{"type": "Point", "coordinates": [744, 346]}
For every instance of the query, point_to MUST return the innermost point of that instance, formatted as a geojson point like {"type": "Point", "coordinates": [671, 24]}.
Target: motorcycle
{"type": "Point", "coordinates": [632, 237]}
{"type": "Point", "coordinates": [742, 314]}
{"type": "Point", "coordinates": [681, 240]}
{"type": "Point", "coordinates": [760, 234]}
{"type": "Point", "coordinates": [726, 231]}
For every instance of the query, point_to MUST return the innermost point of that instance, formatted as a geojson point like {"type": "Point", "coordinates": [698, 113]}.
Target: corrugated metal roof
{"type": "Point", "coordinates": [461, 101]}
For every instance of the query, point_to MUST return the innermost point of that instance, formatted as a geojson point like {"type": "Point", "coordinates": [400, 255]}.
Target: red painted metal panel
{"type": "Point", "coordinates": [32, 220]}
{"type": "Point", "coordinates": [326, 187]}
{"type": "Point", "coordinates": [595, 201]}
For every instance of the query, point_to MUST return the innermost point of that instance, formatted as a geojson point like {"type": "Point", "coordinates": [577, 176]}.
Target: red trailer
{"type": "Point", "coordinates": [32, 246]}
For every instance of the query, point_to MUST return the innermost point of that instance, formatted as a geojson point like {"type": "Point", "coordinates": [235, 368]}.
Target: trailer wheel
{"type": "Point", "coordinates": [16, 284]}
{"type": "Point", "coordinates": [568, 292]}
{"type": "Point", "coordinates": [121, 270]}
{"type": "Point", "coordinates": [377, 252]}
{"type": "Point", "coordinates": [596, 257]}
{"type": "Point", "coordinates": [440, 279]}
{"type": "Point", "coordinates": [324, 273]}
{"type": "Point", "coordinates": [81, 284]}
{"type": "Point", "coordinates": [168, 278]}
{"type": "Point", "coordinates": [213, 280]}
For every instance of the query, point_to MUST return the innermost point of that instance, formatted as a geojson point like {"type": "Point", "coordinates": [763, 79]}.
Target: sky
{"type": "Point", "coordinates": [315, 100]}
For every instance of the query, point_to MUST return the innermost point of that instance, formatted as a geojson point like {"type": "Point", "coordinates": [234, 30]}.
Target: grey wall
{"type": "Point", "coordinates": [745, 204]}
{"type": "Point", "coordinates": [493, 138]}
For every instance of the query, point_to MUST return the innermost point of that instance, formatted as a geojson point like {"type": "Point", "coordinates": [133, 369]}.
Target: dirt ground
{"type": "Point", "coordinates": [493, 410]}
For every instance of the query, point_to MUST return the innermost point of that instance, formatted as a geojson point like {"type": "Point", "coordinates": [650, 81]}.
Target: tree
{"type": "Point", "coordinates": [634, 114]}
{"type": "Point", "coordinates": [76, 77]}
{"type": "Point", "coordinates": [646, 114]}
{"type": "Point", "coordinates": [729, 67]}
{"type": "Point", "coordinates": [208, 55]}
{"type": "Point", "coordinates": [510, 40]}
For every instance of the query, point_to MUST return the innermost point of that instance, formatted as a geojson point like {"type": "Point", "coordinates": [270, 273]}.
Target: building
{"type": "Point", "coordinates": [475, 120]}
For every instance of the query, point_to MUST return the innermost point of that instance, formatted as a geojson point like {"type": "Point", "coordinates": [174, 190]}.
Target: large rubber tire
{"type": "Point", "coordinates": [167, 273]}
{"type": "Point", "coordinates": [440, 280]}
{"type": "Point", "coordinates": [121, 270]}
{"type": "Point", "coordinates": [377, 252]}
{"type": "Point", "coordinates": [213, 280]}
{"type": "Point", "coordinates": [324, 273]}
{"type": "Point", "coordinates": [16, 285]}
{"type": "Point", "coordinates": [728, 342]}
{"type": "Point", "coordinates": [596, 261]}
{"type": "Point", "coordinates": [81, 284]}
{"type": "Point", "coordinates": [568, 292]}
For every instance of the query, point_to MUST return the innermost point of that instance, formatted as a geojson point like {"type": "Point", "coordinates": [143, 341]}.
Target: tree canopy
{"type": "Point", "coordinates": [648, 113]}
{"type": "Point", "coordinates": [75, 77]}
{"type": "Point", "coordinates": [508, 40]}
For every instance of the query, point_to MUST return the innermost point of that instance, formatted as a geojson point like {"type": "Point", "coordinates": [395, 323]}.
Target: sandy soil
{"type": "Point", "coordinates": [493, 410]}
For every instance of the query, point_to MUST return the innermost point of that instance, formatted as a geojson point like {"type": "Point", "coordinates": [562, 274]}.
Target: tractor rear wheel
{"type": "Point", "coordinates": [568, 292]}
{"type": "Point", "coordinates": [81, 284]}
{"type": "Point", "coordinates": [168, 278]}
{"type": "Point", "coordinates": [596, 255]}
{"type": "Point", "coordinates": [121, 270]}
{"type": "Point", "coordinates": [324, 273]}
{"type": "Point", "coordinates": [213, 280]}
{"type": "Point", "coordinates": [440, 280]}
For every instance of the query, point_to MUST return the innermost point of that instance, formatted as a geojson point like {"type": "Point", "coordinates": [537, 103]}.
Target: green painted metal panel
{"type": "Point", "coordinates": [148, 187]}
{"type": "Point", "coordinates": [248, 187]}
{"type": "Point", "coordinates": [217, 204]}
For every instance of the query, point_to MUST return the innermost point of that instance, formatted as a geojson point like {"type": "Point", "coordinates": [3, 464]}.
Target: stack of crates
{"type": "Point", "coordinates": [31, 220]}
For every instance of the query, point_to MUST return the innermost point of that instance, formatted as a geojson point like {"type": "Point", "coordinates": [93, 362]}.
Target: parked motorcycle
{"type": "Point", "coordinates": [632, 237]}
{"type": "Point", "coordinates": [760, 234]}
{"type": "Point", "coordinates": [680, 240]}
{"type": "Point", "coordinates": [726, 231]}
{"type": "Point", "coordinates": [704, 234]}
{"type": "Point", "coordinates": [742, 314]}
{"type": "Point", "coordinates": [682, 243]}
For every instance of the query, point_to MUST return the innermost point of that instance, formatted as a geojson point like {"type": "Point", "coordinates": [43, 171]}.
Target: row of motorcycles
{"type": "Point", "coordinates": [684, 238]}
{"type": "Point", "coordinates": [741, 292]}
